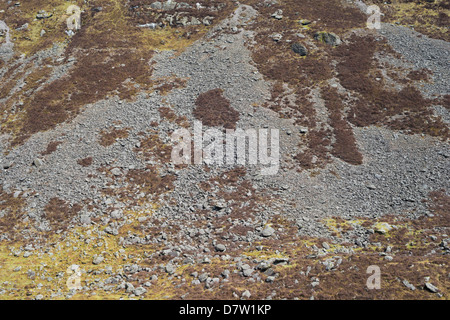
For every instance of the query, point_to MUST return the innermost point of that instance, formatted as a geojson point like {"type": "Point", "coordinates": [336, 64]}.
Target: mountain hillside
{"type": "Point", "coordinates": [348, 169]}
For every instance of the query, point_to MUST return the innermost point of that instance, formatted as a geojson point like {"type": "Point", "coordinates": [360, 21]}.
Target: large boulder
{"type": "Point", "coordinates": [328, 38]}
{"type": "Point", "coordinates": [299, 49]}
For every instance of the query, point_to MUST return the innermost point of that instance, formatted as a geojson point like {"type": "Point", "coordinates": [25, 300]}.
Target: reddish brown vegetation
{"type": "Point", "coordinates": [10, 213]}
{"type": "Point", "coordinates": [85, 162]}
{"type": "Point", "coordinates": [59, 213]}
{"type": "Point", "coordinates": [405, 110]}
{"type": "Point", "coordinates": [169, 84]}
{"type": "Point", "coordinates": [344, 146]}
{"type": "Point", "coordinates": [168, 114]}
{"type": "Point", "coordinates": [213, 109]}
{"type": "Point", "coordinates": [107, 64]}
{"type": "Point", "coordinates": [149, 181]}
{"type": "Point", "coordinates": [420, 75]}
{"type": "Point", "coordinates": [152, 148]}
{"type": "Point", "coordinates": [108, 137]}
{"type": "Point", "coordinates": [318, 149]}
{"type": "Point", "coordinates": [51, 147]}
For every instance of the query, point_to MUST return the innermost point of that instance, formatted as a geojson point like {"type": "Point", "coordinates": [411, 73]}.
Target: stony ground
{"type": "Point", "coordinates": [92, 206]}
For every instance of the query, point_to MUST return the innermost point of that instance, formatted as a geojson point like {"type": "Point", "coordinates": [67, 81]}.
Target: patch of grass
{"type": "Point", "coordinates": [427, 17]}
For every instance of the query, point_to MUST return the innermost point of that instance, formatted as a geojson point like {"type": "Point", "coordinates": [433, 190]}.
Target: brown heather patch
{"type": "Point", "coordinates": [51, 147]}
{"type": "Point", "coordinates": [8, 85]}
{"type": "Point", "coordinates": [420, 75]}
{"type": "Point", "coordinates": [441, 207]}
{"type": "Point", "coordinates": [231, 177]}
{"type": "Point", "coordinates": [446, 102]}
{"type": "Point", "coordinates": [278, 63]}
{"type": "Point", "coordinates": [328, 14]}
{"type": "Point", "coordinates": [404, 110]}
{"type": "Point", "coordinates": [148, 180]}
{"type": "Point", "coordinates": [86, 162]}
{"type": "Point", "coordinates": [59, 213]}
{"type": "Point", "coordinates": [109, 137]}
{"type": "Point", "coordinates": [112, 59]}
{"type": "Point", "coordinates": [11, 213]}
{"type": "Point", "coordinates": [38, 76]}
{"type": "Point", "coordinates": [276, 60]}
{"type": "Point", "coordinates": [318, 149]}
{"type": "Point", "coordinates": [344, 146]}
{"type": "Point", "coordinates": [349, 281]}
{"type": "Point", "coordinates": [152, 148]}
{"type": "Point", "coordinates": [213, 109]}
{"type": "Point", "coordinates": [168, 114]}
{"type": "Point", "coordinates": [167, 85]}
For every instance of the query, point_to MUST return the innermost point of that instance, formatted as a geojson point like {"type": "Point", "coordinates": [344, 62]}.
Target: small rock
{"type": "Point", "coordinates": [220, 247]}
{"type": "Point", "coordinates": [299, 49]}
{"type": "Point", "coordinates": [170, 269]}
{"type": "Point", "coordinates": [203, 277]}
{"type": "Point", "coordinates": [267, 232]}
{"type": "Point", "coordinates": [247, 272]}
{"type": "Point", "coordinates": [382, 227]}
{"type": "Point", "coordinates": [98, 259]}
{"type": "Point", "coordinates": [156, 5]}
{"type": "Point", "coordinates": [278, 14]}
{"type": "Point", "coordinates": [408, 285]}
{"type": "Point", "coordinates": [38, 162]}
{"type": "Point", "coordinates": [139, 291]}
{"type": "Point", "coordinates": [431, 287]}
{"type": "Point", "coordinates": [116, 172]}
{"type": "Point", "coordinates": [129, 287]}
{"type": "Point", "coordinates": [276, 37]}
{"type": "Point", "coordinates": [42, 14]}
{"type": "Point", "coordinates": [304, 22]}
